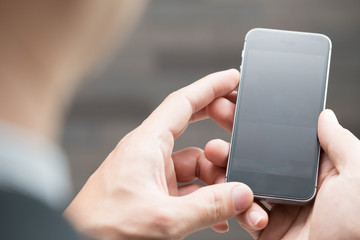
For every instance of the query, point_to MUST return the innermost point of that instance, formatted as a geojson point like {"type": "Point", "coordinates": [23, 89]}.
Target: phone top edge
{"type": "Point", "coordinates": [288, 31]}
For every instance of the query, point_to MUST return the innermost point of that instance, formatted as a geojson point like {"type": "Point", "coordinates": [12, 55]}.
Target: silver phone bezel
{"type": "Point", "coordinates": [272, 198]}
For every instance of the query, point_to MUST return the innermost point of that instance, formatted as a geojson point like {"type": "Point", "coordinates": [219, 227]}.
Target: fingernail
{"type": "Point", "coordinates": [331, 116]}
{"type": "Point", "coordinates": [241, 197]}
{"type": "Point", "coordinates": [255, 217]}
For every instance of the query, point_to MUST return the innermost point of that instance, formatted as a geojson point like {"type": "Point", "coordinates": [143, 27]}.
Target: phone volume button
{"type": "Point", "coordinates": [242, 54]}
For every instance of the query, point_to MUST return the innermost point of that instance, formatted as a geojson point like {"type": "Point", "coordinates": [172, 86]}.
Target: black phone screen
{"type": "Point", "coordinates": [274, 147]}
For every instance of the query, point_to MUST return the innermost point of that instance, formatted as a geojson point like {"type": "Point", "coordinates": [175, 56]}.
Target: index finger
{"type": "Point", "coordinates": [175, 111]}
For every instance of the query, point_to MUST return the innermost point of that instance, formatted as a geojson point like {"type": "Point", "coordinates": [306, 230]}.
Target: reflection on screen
{"type": "Point", "coordinates": [280, 100]}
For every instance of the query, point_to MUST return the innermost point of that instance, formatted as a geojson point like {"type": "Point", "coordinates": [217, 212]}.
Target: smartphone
{"type": "Point", "coordinates": [274, 145]}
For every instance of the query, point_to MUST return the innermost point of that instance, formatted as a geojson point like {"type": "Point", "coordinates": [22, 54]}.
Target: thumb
{"type": "Point", "coordinates": [213, 204]}
{"type": "Point", "coordinates": [342, 147]}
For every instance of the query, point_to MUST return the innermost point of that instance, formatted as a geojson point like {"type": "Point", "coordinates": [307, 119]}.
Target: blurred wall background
{"type": "Point", "coordinates": [178, 42]}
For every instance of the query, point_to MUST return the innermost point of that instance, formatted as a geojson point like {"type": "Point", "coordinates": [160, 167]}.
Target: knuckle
{"type": "Point", "coordinates": [174, 95]}
{"type": "Point", "coordinates": [164, 222]}
{"type": "Point", "coordinates": [196, 150]}
{"type": "Point", "coordinates": [216, 207]}
{"type": "Point", "coordinates": [180, 96]}
{"type": "Point", "coordinates": [124, 142]}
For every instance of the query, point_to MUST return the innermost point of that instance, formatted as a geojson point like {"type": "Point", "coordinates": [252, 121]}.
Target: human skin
{"type": "Point", "coordinates": [134, 194]}
{"type": "Point", "coordinates": [335, 212]}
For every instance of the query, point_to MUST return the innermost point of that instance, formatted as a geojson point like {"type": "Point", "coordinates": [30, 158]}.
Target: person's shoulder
{"type": "Point", "coordinates": [25, 218]}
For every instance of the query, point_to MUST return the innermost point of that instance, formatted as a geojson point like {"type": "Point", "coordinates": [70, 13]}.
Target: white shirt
{"type": "Point", "coordinates": [33, 166]}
